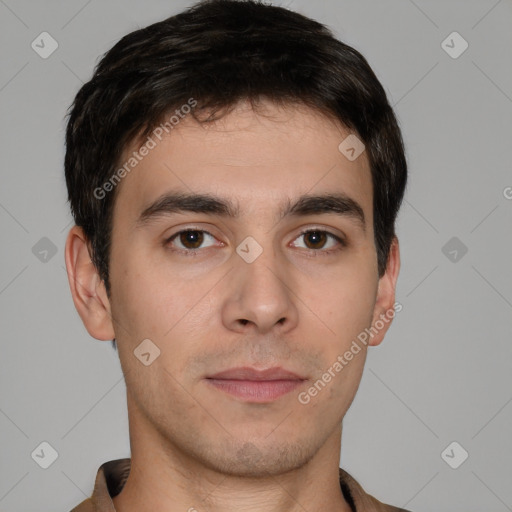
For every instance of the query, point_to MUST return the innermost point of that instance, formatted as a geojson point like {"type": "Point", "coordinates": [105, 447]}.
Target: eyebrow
{"type": "Point", "coordinates": [179, 202]}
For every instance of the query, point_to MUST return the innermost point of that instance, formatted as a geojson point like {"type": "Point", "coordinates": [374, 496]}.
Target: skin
{"type": "Point", "coordinates": [295, 306]}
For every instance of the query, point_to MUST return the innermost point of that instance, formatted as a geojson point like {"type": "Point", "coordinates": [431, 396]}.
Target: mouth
{"type": "Point", "coordinates": [257, 386]}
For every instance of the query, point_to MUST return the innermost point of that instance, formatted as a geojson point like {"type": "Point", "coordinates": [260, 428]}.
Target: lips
{"type": "Point", "coordinates": [258, 386]}
{"type": "Point", "coordinates": [247, 373]}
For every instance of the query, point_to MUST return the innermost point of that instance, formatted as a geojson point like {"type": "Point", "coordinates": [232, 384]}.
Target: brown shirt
{"type": "Point", "coordinates": [112, 476]}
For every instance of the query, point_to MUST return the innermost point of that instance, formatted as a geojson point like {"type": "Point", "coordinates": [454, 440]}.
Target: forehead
{"type": "Point", "coordinates": [257, 158]}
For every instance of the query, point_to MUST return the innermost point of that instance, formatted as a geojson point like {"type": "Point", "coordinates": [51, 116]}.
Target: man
{"type": "Point", "coordinates": [234, 173]}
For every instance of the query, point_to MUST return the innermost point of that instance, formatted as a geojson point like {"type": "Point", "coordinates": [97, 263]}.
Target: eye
{"type": "Point", "coordinates": [188, 240]}
{"type": "Point", "coordinates": [315, 240]}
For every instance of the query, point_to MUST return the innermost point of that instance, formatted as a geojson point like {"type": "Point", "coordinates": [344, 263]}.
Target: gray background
{"type": "Point", "coordinates": [444, 371]}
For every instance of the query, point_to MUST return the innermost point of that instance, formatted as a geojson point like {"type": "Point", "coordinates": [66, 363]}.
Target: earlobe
{"type": "Point", "coordinates": [384, 310]}
{"type": "Point", "coordinates": [87, 288]}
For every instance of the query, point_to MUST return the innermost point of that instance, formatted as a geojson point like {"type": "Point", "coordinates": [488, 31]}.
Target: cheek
{"type": "Point", "coordinates": [141, 301]}
{"type": "Point", "coordinates": [154, 301]}
{"type": "Point", "coordinates": [331, 393]}
{"type": "Point", "coordinates": [344, 300]}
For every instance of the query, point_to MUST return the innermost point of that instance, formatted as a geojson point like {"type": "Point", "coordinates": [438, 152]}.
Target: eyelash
{"type": "Point", "coordinates": [194, 252]}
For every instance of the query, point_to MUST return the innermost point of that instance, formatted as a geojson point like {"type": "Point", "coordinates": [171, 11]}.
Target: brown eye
{"type": "Point", "coordinates": [317, 240]}
{"type": "Point", "coordinates": [189, 240]}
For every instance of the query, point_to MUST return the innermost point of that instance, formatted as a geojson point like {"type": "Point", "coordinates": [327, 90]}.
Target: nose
{"type": "Point", "coordinates": [260, 296]}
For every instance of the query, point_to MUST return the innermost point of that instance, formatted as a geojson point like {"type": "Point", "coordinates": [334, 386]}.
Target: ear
{"type": "Point", "coordinates": [87, 288]}
{"type": "Point", "coordinates": [384, 304]}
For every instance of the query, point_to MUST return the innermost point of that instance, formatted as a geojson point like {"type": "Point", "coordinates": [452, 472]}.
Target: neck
{"type": "Point", "coordinates": [164, 479]}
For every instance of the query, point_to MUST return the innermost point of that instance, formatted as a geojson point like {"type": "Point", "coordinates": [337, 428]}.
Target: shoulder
{"type": "Point", "coordinates": [362, 501]}
{"type": "Point", "coordinates": [86, 506]}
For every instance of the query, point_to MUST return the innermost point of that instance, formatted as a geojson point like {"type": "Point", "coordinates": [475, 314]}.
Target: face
{"type": "Point", "coordinates": [215, 289]}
